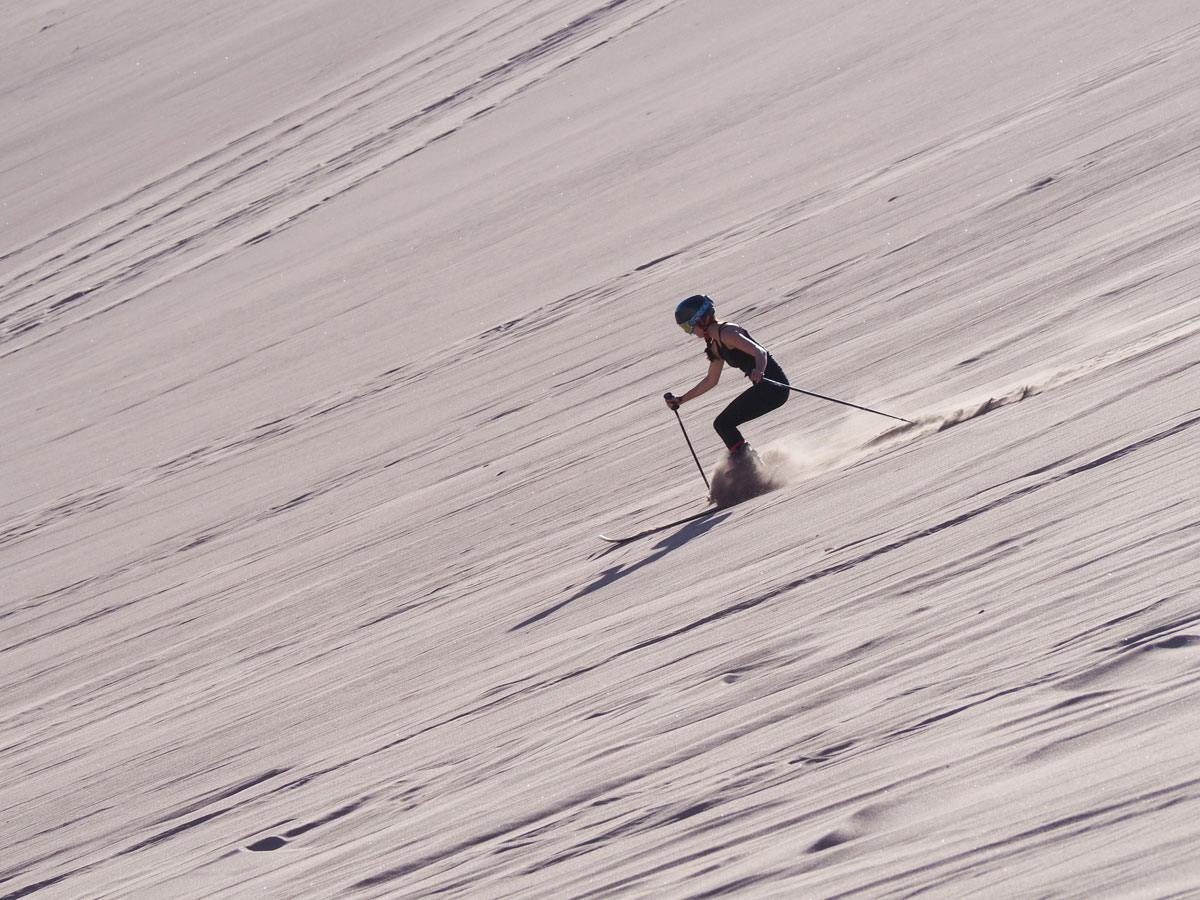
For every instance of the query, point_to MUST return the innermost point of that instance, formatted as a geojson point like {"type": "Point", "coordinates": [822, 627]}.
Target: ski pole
{"type": "Point", "coordinates": [835, 400]}
{"type": "Point", "coordinates": [679, 418]}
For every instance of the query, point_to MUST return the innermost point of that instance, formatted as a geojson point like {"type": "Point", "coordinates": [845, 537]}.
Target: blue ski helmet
{"type": "Point", "coordinates": [692, 311]}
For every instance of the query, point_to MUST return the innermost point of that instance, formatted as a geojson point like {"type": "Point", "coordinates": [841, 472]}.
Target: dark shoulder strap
{"type": "Point", "coordinates": [720, 343]}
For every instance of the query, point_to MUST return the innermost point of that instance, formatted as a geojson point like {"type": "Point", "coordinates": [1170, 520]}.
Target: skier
{"type": "Point", "coordinates": [725, 342]}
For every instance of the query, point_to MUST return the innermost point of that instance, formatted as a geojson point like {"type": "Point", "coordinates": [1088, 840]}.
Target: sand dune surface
{"type": "Point", "coordinates": [333, 336]}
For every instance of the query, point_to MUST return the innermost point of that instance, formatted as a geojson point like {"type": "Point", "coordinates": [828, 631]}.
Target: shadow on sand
{"type": "Point", "coordinates": [615, 573]}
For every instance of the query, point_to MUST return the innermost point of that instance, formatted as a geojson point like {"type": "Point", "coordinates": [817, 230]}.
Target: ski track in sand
{"type": "Point", "coordinates": [287, 612]}
{"type": "Point", "coordinates": [282, 172]}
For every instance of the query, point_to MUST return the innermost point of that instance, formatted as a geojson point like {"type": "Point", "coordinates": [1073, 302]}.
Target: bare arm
{"type": "Point", "coordinates": [737, 337]}
{"type": "Point", "coordinates": [706, 384]}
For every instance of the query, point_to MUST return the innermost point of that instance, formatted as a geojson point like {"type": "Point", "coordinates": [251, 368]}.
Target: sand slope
{"type": "Point", "coordinates": [332, 337]}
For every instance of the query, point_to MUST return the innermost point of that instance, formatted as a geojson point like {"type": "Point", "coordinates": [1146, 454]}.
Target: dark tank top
{"type": "Point", "coordinates": [739, 359]}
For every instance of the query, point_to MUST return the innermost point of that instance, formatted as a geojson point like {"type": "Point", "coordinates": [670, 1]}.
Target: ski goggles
{"type": "Point", "coordinates": [690, 325]}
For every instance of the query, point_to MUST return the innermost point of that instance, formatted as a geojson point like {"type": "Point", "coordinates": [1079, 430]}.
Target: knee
{"type": "Point", "coordinates": [726, 429]}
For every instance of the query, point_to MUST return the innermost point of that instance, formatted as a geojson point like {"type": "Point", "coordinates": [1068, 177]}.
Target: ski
{"type": "Point", "coordinates": [645, 532]}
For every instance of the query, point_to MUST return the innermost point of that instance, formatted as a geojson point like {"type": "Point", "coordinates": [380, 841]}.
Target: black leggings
{"type": "Point", "coordinates": [751, 403]}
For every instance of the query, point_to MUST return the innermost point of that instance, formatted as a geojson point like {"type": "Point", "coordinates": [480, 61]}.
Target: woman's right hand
{"type": "Point", "coordinates": [672, 401]}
